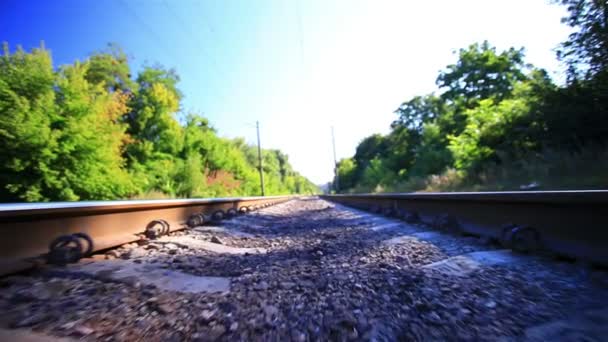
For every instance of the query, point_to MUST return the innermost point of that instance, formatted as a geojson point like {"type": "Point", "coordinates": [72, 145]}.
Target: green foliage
{"type": "Point", "coordinates": [432, 155]}
{"type": "Point", "coordinates": [61, 135]}
{"type": "Point", "coordinates": [587, 47]}
{"type": "Point", "coordinates": [377, 173]}
{"type": "Point", "coordinates": [413, 114]}
{"type": "Point", "coordinates": [88, 131]}
{"type": "Point", "coordinates": [482, 73]}
{"type": "Point", "coordinates": [495, 111]}
{"type": "Point", "coordinates": [110, 67]}
{"type": "Point", "coordinates": [346, 173]}
{"type": "Point", "coordinates": [89, 138]}
{"type": "Point", "coordinates": [26, 135]}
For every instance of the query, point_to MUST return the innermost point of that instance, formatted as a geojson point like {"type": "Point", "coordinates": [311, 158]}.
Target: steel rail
{"type": "Point", "coordinates": [27, 229]}
{"type": "Point", "coordinates": [566, 223]}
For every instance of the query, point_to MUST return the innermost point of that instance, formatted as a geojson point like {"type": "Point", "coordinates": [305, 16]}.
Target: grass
{"type": "Point", "coordinates": [549, 170]}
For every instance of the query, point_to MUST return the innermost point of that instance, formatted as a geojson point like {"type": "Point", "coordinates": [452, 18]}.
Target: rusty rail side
{"type": "Point", "coordinates": [567, 223]}
{"type": "Point", "coordinates": [26, 230]}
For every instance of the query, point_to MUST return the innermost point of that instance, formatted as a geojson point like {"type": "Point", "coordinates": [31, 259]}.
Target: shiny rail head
{"type": "Point", "coordinates": [558, 196]}
{"type": "Point", "coordinates": [21, 209]}
{"type": "Point", "coordinates": [106, 224]}
{"type": "Point", "coordinates": [569, 223]}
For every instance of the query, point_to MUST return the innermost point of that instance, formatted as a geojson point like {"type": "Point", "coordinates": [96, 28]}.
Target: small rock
{"type": "Point", "coordinates": [153, 246]}
{"type": "Point", "coordinates": [82, 330]}
{"type": "Point", "coordinates": [287, 285]}
{"type": "Point", "coordinates": [131, 281]}
{"type": "Point", "coordinates": [171, 246]}
{"type": "Point", "coordinates": [28, 321]}
{"type": "Point", "coordinates": [234, 326]}
{"type": "Point", "coordinates": [261, 286]}
{"type": "Point", "coordinates": [490, 304]}
{"type": "Point", "coordinates": [217, 332]}
{"type": "Point", "coordinates": [113, 254]}
{"type": "Point", "coordinates": [136, 253]}
{"type": "Point", "coordinates": [217, 240]}
{"type": "Point", "coordinates": [307, 283]}
{"type": "Point", "coordinates": [165, 309]}
{"type": "Point", "coordinates": [465, 312]}
{"type": "Point", "coordinates": [68, 325]}
{"type": "Point", "coordinates": [53, 289]}
{"type": "Point", "coordinates": [206, 315]}
{"type": "Point", "coordinates": [298, 336]}
{"type": "Point", "coordinates": [270, 310]}
{"type": "Point", "coordinates": [433, 317]}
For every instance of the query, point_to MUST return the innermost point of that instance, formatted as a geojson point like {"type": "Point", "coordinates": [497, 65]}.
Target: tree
{"type": "Point", "coordinates": [27, 139]}
{"type": "Point", "coordinates": [61, 135]}
{"type": "Point", "coordinates": [90, 138]}
{"type": "Point", "coordinates": [587, 47]}
{"type": "Point", "coordinates": [482, 73]}
{"type": "Point", "coordinates": [87, 131]}
{"type": "Point", "coordinates": [414, 113]}
{"type": "Point", "coordinates": [346, 173]}
{"type": "Point", "coordinates": [110, 67]}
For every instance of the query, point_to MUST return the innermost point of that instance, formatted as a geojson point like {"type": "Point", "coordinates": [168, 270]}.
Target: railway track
{"type": "Point", "coordinates": [311, 269]}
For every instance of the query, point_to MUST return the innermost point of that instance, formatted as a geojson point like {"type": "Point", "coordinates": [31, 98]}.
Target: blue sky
{"type": "Point", "coordinates": [297, 66]}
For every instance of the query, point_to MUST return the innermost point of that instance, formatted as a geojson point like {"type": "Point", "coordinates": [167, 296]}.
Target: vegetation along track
{"type": "Point", "coordinates": [309, 269]}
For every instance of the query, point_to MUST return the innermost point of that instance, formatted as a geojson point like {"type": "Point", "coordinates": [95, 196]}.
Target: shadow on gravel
{"type": "Point", "coordinates": [307, 241]}
{"type": "Point", "coordinates": [298, 224]}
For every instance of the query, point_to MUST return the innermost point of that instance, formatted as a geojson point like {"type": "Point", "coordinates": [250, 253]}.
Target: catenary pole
{"type": "Point", "coordinates": [337, 178]}
{"type": "Point", "coordinates": [257, 127]}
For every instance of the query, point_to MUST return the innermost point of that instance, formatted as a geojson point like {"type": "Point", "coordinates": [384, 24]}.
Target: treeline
{"type": "Point", "coordinates": [497, 122]}
{"type": "Point", "coordinates": [89, 131]}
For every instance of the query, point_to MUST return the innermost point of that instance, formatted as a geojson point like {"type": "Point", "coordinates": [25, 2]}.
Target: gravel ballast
{"type": "Point", "coordinates": [316, 272]}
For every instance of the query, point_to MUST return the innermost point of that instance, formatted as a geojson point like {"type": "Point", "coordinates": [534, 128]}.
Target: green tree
{"type": "Point", "coordinates": [88, 131]}
{"type": "Point", "coordinates": [61, 135]}
{"type": "Point", "coordinates": [89, 162]}
{"type": "Point", "coordinates": [432, 155]}
{"type": "Point", "coordinates": [110, 67]}
{"type": "Point", "coordinates": [586, 47]}
{"type": "Point", "coordinates": [482, 73]}
{"type": "Point", "coordinates": [346, 173]}
{"type": "Point", "coordinates": [27, 139]}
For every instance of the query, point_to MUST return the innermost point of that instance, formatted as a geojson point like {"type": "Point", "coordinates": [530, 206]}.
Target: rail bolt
{"type": "Point", "coordinates": [231, 212]}
{"type": "Point", "coordinates": [525, 239]}
{"type": "Point", "coordinates": [387, 211]}
{"type": "Point", "coordinates": [67, 249]}
{"type": "Point", "coordinates": [412, 217]}
{"type": "Point", "coordinates": [218, 215]}
{"type": "Point", "coordinates": [447, 223]}
{"type": "Point", "coordinates": [195, 220]}
{"type": "Point", "coordinates": [86, 238]}
{"type": "Point", "coordinates": [400, 213]}
{"type": "Point", "coordinates": [156, 228]}
{"type": "Point", "coordinates": [506, 235]}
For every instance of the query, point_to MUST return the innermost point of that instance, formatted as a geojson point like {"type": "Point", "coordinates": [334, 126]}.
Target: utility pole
{"type": "Point", "coordinates": [337, 178]}
{"type": "Point", "coordinates": [257, 127]}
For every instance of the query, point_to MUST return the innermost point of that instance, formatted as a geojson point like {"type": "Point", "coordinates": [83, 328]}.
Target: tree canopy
{"type": "Point", "coordinates": [89, 131]}
{"type": "Point", "coordinates": [491, 107]}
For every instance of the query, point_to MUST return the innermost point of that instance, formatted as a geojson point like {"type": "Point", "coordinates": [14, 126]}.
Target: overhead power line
{"type": "Point", "coordinates": [149, 30]}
